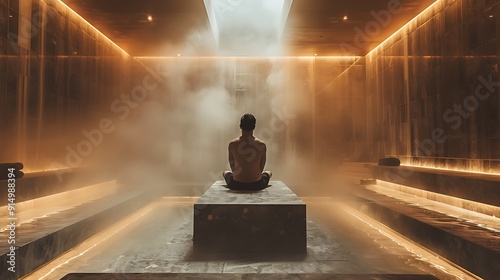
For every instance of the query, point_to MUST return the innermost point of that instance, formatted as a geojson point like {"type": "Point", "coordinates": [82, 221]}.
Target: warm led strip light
{"type": "Point", "coordinates": [55, 170]}
{"type": "Point", "coordinates": [427, 10]}
{"type": "Point", "coordinates": [88, 23]}
{"type": "Point", "coordinates": [248, 57]}
{"type": "Point", "coordinates": [452, 170]}
{"type": "Point", "coordinates": [446, 199]}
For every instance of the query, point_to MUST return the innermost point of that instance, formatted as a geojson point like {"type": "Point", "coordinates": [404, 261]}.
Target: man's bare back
{"type": "Point", "coordinates": [247, 157]}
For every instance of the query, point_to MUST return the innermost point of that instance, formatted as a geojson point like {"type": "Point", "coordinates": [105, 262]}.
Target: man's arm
{"type": "Point", "coordinates": [263, 159]}
{"type": "Point", "coordinates": [231, 158]}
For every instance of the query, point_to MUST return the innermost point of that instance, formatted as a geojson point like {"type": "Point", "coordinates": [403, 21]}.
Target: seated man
{"type": "Point", "coordinates": [247, 158]}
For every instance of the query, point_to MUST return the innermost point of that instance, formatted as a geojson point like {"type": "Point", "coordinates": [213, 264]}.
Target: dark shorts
{"type": "Point", "coordinates": [255, 186]}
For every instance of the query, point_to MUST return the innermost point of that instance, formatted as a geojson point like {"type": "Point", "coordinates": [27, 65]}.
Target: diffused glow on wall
{"type": "Point", "coordinates": [457, 170]}
{"type": "Point", "coordinates": [88, 23]}
{"type": "Point", "coordinates": [427, 11]}
{"type": "Point", "coordinates": [471, 166]}
{"type": "Point", "coordinates": [424, 16]}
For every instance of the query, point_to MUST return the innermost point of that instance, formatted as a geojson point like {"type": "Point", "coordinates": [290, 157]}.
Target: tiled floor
{"type": "Point", "coordinates": [160, 242]}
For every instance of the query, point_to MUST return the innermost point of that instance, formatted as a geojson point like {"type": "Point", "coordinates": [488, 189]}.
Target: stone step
{"type": "Point", "coordinates": [47, 237]}
{"type": "Point", "coordinates": [39, 184]}
{"type": "Point", "coordinates": [463, 242]}
{"type": "Point", "coordinates": [482, 188]}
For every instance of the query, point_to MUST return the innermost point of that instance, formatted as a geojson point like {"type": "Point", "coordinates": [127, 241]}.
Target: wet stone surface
{"type": "Point", "coordinates": [99, 276]}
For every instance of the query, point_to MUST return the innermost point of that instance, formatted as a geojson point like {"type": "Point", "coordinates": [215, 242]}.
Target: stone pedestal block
{"type": "Point", "coordinates": [272, 220]}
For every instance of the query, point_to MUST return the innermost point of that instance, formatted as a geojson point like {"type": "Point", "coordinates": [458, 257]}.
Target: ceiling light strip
{"type": "Point", "coordinates": [427, 10]}
{"type": "Point", "coordinates": [88, 23]}
{"type": "Point", "coordinates": [248, 57]}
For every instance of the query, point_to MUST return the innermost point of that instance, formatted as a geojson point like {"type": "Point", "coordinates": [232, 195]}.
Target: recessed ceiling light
{"type": "Point", "coordinates": [10, 16]}
{"type": "Point", "coordinates": [345, 18]}
{"type": "Point", "coordinates": [491, 16]}
{"type": "Point", "coordinates": [150, 18]}
{"type": "Point", "coordinates": [178, 54]}
{"type": "Point", "coordinates": [315, 54]}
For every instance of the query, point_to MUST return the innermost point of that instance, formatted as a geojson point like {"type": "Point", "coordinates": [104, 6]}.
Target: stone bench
{"type": "Point", "coordinates": [482, 188]}
{"type": "Point", "coordinates": [272, 220]}
{"type": "Point", "coordinates": [48, 237]}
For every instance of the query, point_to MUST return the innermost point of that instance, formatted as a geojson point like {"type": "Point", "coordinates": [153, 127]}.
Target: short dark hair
{"type": "Point", "coordinates": [247, 122]}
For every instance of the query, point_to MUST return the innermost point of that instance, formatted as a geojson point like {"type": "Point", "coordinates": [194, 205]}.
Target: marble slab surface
{"type": "Point", "coordinates": [276, 194]}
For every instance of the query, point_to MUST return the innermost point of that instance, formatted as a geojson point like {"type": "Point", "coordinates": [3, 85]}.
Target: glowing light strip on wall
{"type": "Point", "coordinates": [381, 45]}
{"type": "Point", "coordinates": [249, 57]}
{"type": "Point", "coordinates": [455, 170]}
{"type": "Point", "coordinates": [427, 10]}
{"type": "Point", "coordinates": [446, 199]}
{"type": "Point", "coordinates": [88, 23]}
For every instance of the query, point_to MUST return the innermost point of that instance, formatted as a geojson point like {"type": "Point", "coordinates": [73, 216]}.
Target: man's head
{"type": "Point", "coordinates": [247, 122]}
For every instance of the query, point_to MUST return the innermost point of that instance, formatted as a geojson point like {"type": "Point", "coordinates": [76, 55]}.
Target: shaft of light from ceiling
{"type": "Point", "coordinates": [248, 27]}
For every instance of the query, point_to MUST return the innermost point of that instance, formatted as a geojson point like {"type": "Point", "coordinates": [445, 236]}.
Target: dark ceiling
{"type": "Point", "coordinates": [182, 26]}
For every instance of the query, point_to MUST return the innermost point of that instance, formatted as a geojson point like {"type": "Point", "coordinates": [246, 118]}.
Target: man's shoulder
{"type": "Point", "coordinates": [259, 141]}
{"type": "Point", "coordinates": [236, 140]}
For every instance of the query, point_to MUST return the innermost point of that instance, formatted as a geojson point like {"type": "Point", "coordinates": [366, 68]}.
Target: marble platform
{"type": "Point", "coordinates": [272, 220]}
